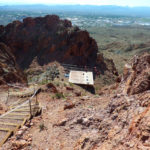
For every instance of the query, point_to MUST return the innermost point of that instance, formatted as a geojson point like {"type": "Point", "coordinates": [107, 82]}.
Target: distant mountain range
{"type": "Point", "coordinates": [84, 9]}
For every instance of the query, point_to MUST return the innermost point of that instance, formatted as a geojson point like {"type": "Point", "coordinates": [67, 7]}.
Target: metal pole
{"type": "Point", "coordinates": [7, 96]}
{"type": "Point", "coordinates": [30, 107]}
{"type": "Point", "coordinates": [34, 88]}
{"type": "Point", "coordinates": [36, 99]}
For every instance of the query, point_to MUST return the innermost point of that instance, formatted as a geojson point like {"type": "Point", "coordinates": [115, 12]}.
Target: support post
{"type": "Point", "coordinates": [30, 107]}
{"type": "Point", "coordinates": [7, 96]}
{"type": "Point", "coordinates": [34, 88]}
{"type": "Point", "coordinates": [36, 99]}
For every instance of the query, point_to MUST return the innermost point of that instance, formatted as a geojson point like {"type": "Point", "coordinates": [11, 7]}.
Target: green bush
{"type": "Point", "coordinates": [57, 84]}
{"type": "Point", "coordinates": [42, 126]}
{"type": "Point", "coordinates": [65, 84]}
{"type": "Point", "coordinates": [59, 95]}
{"type": "Point", "coordinates": [71, 84]}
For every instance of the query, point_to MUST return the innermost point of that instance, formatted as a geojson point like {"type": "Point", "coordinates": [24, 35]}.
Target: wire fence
{"type": "Point", "coordinates": [79, 68]}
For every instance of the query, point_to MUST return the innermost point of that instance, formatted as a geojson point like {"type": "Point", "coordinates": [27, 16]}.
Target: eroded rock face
{"type": "Point", "coordinates": [9, 71]}
{"type": "Point", "coordinates": [49, 39]}
{"type": "Point", "coordinates": [129, 110]}
{"type": "Point", "coordinates": [137, 75]}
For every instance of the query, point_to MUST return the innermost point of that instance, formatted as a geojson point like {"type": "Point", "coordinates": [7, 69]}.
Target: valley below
{"type": "Point", "coordinates": [121, 43]}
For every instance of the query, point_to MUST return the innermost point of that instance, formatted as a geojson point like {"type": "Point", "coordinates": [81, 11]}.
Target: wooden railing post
{"type": "Point", "coordinates": [7, 96]}
{"type": "Point", "coordinates": [36, 99]}
{"type": "Point", "coordinates": [30, 107]}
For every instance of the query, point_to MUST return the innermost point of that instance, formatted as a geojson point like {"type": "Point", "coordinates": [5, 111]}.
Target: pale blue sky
{"type": "Point", "coordinates": [82, 2]}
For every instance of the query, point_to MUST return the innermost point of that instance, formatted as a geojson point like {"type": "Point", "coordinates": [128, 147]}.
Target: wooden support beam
{"type": "Point", "coordinates": [24, 121]}
{"type": "Point", "coordinates": [15, 130]}
{"type": "Point", "coordinates": [6, 137]}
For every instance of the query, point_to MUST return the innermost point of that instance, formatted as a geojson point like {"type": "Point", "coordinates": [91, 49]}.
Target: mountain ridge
{"type": "Point", "coordinates": [137, 11]}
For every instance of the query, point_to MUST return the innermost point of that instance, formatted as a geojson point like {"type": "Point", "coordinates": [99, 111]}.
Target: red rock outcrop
{"type": "Point", "coordinates": [130, 109]}
{"type": "Point", "coordinates": [50, 39]}
{"type": "Point", "coordinates": [9, 70]}
{"type": "Point", "coordinates": [137, 75]}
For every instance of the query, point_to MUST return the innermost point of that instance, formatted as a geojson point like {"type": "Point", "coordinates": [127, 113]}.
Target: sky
{"type": "Point", "coordinates": [82, 2]}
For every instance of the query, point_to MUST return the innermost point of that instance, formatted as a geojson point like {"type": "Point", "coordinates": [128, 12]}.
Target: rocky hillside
{"type": "Point", "coordinates": [9, 70]}
{"type": "Point", "coordinates": [117, 119]}
{"type": "Point", "coordinates": [127, 121]}
{"type": "Point", "coordinates": [137, 75]}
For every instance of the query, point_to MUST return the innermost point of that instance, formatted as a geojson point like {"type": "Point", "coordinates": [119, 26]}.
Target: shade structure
{"type": "Point", "coordinates": [81, 77]}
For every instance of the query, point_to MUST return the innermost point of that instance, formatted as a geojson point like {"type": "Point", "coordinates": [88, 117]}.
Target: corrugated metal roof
{"type": "Point", "coordinates": [81, 77]}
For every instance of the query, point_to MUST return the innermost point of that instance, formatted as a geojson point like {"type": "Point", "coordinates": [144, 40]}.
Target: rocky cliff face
{"type": "Point", "coordinates": [127, 115]}
{"type": "Point", "coordinates": [49, 39]}
{"type": "Point", "coordinates": [9, 70]}
{"type": "Point", "coordinates": [137, 75]}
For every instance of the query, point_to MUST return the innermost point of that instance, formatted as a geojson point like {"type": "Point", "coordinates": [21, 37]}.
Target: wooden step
{"type": "Point", "coordinates": [10, 127]}
{"type": "Point", "coordinates": [27, 105]}
{"type": "Point", "coordinates": [16, 117]}
{"type": "Point", "coordinates": [18, 114]}
{"type": "Point", "coordinates": [5, 120]}
{"type": "Point", "coordinates": [8, 123]}
{"type": "Point", "coordinates": [5, 129]}
{"type": "Point", "coordinates": [13, 118]}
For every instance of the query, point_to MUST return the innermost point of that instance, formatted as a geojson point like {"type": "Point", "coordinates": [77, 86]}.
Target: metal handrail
{"type": "Point", "coordinates": [29, 100]}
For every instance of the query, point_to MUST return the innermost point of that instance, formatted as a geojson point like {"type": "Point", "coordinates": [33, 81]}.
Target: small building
{"type": "Point", "coordinates": [81, 77]}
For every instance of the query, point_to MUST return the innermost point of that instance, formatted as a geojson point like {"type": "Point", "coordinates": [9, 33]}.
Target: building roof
{"type": "Point", "coordinates": [81, 77]}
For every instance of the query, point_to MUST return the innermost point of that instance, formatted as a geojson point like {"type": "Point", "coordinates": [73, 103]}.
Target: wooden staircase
{"type": "Point", "coordinates": [18, 115]}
